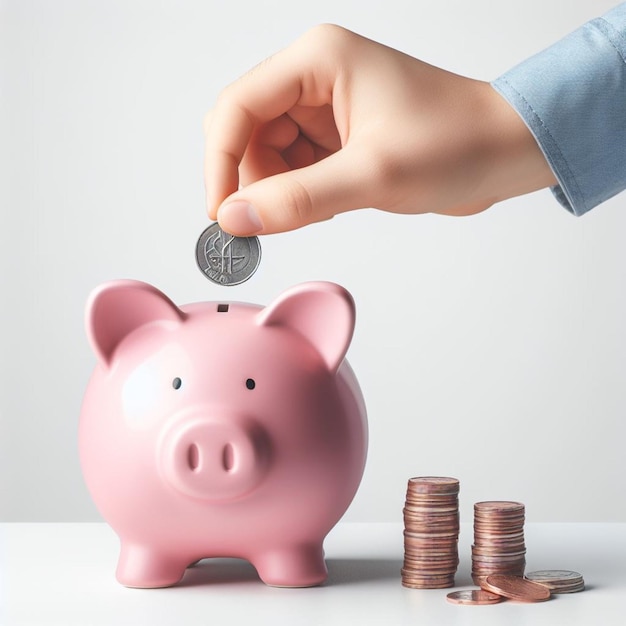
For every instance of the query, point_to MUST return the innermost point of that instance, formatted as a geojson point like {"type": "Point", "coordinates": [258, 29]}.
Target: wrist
{"type": "Point", "coordinates": [516, 164]}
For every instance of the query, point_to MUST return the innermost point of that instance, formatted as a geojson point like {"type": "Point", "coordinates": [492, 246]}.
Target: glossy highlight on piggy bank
{"type": "Point", "coordinates": [222, 429]}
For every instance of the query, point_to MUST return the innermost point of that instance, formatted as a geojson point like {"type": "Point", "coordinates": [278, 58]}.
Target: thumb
{"type": "Point", "coordinates": [296, 198]}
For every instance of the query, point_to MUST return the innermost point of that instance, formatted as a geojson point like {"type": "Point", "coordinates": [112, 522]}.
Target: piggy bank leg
{"type": "Point", "coordinates": [293, 566]}
{"type": "Point", "coordinates": [145, 567]}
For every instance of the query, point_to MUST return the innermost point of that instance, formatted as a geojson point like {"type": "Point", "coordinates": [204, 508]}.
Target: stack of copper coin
{"type": "Point", "coordinates": [431, 532]}
{"type": "Point", "coordinates": [498, 540]}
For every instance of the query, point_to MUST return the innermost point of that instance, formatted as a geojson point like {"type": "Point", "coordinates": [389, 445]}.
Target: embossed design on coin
{"type": "Point", "coordinates": [226, 259]}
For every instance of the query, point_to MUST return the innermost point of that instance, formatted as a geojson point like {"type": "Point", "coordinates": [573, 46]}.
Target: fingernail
{"type": "Point", "coordinates": [239, 218]}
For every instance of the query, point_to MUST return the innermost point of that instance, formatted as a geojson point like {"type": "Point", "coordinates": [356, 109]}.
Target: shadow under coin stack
{"type": "Point", "coordinates": [498, 540]}
{"type": "Point", "coordinates": [431, 532]}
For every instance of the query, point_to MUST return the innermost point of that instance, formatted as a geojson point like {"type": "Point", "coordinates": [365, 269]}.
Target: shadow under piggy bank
{"type": "Point", "coordinates": [222, 571]}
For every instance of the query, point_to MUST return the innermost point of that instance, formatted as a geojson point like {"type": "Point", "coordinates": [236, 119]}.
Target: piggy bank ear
{"type": "Point", "coordinates": [322, 312]}
{"type": "Point", "coordinates": [116, 308]}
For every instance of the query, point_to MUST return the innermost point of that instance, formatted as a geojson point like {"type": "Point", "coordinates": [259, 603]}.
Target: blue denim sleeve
{"type": "Point", "coordinates": [572, 96]}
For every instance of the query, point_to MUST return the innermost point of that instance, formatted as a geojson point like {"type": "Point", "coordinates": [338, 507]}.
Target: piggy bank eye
{"type": "Point", "coordinates": [250, 384]}
{"type": "Point", "coordinates": [176, 383]}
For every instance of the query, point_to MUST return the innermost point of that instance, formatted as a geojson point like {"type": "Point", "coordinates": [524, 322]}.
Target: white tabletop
{"type": "Point", "coordinates": [64, 574]}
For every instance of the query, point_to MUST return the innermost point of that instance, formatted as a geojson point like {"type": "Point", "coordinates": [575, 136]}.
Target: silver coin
{"type": "Point", "coordinates": [556, 575]}
{"type": "Point", "coordinates": [473, 596]}
{"type": "Point", "coordinates": [559, 580]}
{"type": "Point", "coordinates": [226, 259]}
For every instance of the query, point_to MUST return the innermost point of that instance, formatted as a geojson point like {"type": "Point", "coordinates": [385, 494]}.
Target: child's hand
{"type": "Point", "coordinates": [337, 122]}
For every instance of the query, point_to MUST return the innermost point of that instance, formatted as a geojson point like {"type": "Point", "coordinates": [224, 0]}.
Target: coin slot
{"type": "Point", "coordinates": [193, 457]}
{"type": "Point", "coordinates": [228, 457]}
{"type": "Point", "coordinates": [222, 308]}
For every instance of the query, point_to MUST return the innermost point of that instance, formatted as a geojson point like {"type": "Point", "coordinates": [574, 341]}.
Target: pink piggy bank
{"type": "Point", "coordinates": [222, 429]}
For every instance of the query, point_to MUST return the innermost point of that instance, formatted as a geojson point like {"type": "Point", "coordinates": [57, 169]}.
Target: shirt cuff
{"type": "Point", "coordinates": [572, 97]}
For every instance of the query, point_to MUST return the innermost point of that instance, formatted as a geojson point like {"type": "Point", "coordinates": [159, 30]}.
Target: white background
{"type": "Point", "coordinates": [489, 348]}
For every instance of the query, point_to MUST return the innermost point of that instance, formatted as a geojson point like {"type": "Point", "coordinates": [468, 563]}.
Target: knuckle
{"type": "Point", "coordinates": [298, 202]}
{"type": "Point", "coordinates": [259, 67]}
{"type": "Point", "coordinates": [328, 37]}
{"type": "Point", "coordinates": [383, 174]}
{"type": "Point", "coordinates": [388, 169]}
{"type": "Point", "coordinates": [232, 102]}
{"type": "Point", "coordinates": [225, 99]}
{"type": "Point", "coordinates": [389, 162]}
{"type": "Point", "coordinates": [390, 183]}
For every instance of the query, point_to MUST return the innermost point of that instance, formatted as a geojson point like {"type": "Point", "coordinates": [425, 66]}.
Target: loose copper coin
{"type": "Point", "coordinates": [516, 588]}
{"type": "Point", "coordinates": [473, 596]}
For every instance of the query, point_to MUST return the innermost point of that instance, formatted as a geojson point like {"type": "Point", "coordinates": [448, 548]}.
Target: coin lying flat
{"type": "Point", "coordinates": [473, 596]}
{"type": "Point", "coordinates": [428, 484]}
{"type": "Point", "coordinates": [501, 506]}
{"type": "Point", "coordinates": [558, 580]}
{"type": "Point", "coordinates": [516, 588]}
{"type": "Point", "coordinates": [226, 259]}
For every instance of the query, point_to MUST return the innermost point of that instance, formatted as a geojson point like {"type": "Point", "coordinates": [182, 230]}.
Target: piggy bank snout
{"type": "Point", "coordinates": [213, 459]}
